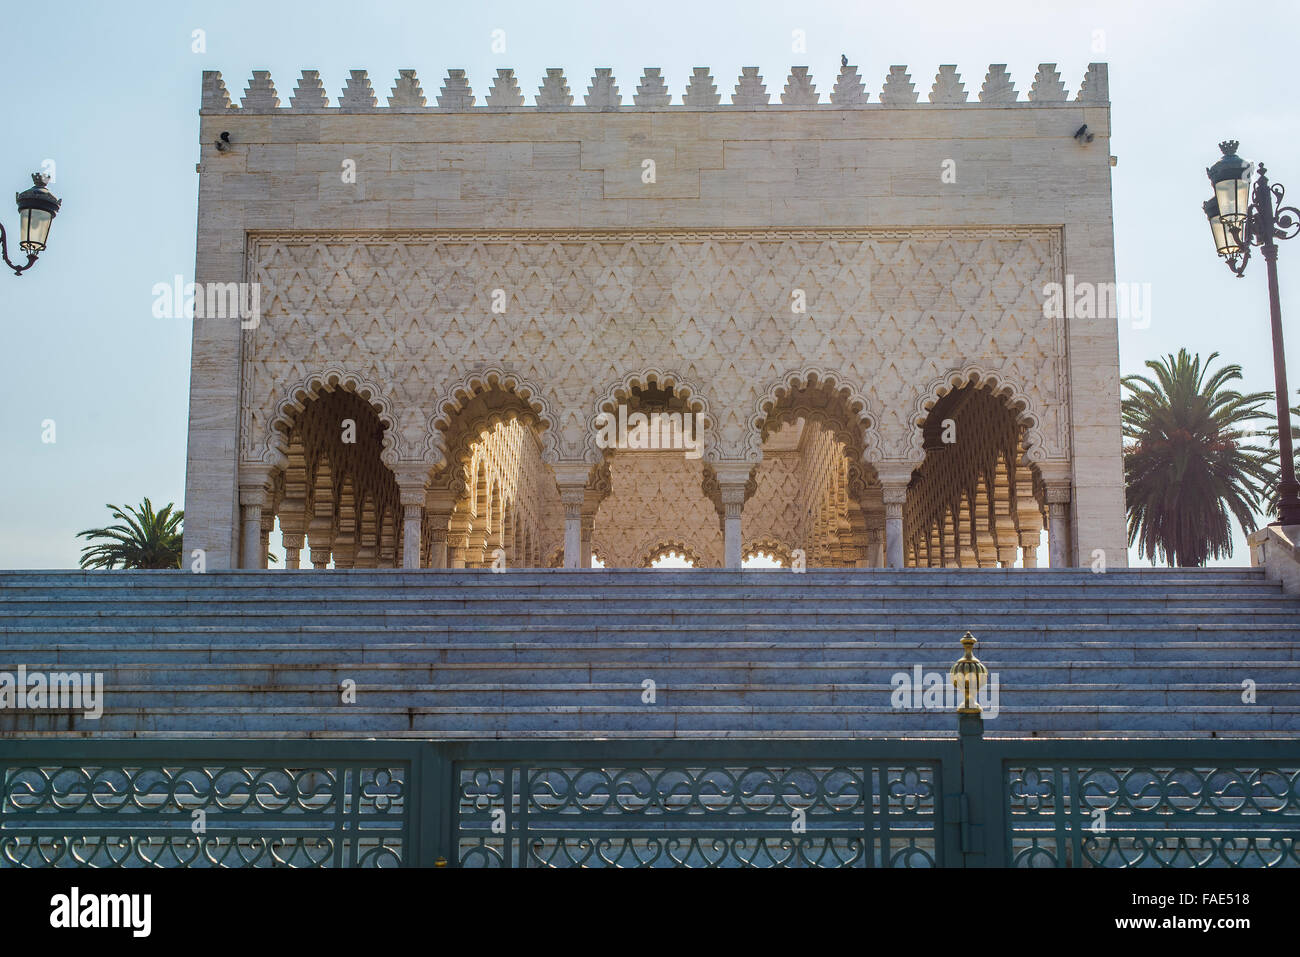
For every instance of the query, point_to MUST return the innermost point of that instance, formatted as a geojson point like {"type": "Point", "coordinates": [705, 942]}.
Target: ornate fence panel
{"type": "Point", "coordinates": [196, 804]}
{"type": "Point", "coordinates": [968, 801]}
{"type": "Point", "coordinates": [1156, 803]}
{"type": "Point", "coordinates": [705, 804]}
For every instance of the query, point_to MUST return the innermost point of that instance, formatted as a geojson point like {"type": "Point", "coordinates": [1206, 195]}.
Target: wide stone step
{"type": "Point", "coordinates": [1256, 657]}
{"type": "Point", "coordinates": [1021, 634]}
{"type": "Point", "coordinates": [696, 578]}
{"type": "Point", "coordinates": [753, 671]}
{"type": "Point", "coordinates": [664, 720]}
{"type": "Point", "coordinates": [379, 694]}
{"type": "Point", "coordinates": [953, 617]}
{"type": "Point", "coordinates": [794, 590]}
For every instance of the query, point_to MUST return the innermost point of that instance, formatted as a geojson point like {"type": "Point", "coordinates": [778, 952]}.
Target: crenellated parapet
{"type": "Point", "coordinates": [701, 92]}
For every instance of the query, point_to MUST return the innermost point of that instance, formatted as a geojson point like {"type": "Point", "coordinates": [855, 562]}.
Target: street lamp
{"type": "Point", "coordinates": [1241, 217]}
{"type": "Point", "coordinates": [37, 208]}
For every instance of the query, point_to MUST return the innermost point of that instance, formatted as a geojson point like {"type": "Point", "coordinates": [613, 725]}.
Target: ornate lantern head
{"type": "Point", "coordinates": [37, 208]}
{"type": "Point", "coordinates": [1231, 179]}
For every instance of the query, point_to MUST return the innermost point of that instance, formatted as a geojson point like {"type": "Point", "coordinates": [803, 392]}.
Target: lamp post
{"type": "Point", "coordinates": [1241, 217]}
{"type": "Point", "coordinates": [37, 208]}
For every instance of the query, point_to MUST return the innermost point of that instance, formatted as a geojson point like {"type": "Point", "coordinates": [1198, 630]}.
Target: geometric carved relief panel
{"type": "Point", "coordinates": [888, 310]}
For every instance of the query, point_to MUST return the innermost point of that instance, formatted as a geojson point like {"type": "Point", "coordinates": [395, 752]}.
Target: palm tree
{"type": "Point", "coordinates": [147, 539]}
{"type": "Point", "coordinates": [1186, 465]}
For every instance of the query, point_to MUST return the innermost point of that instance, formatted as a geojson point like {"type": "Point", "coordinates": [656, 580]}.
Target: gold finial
{"type": "Point", "coordinates": [968, 675]}
{"type": "Point", "coordinates": [440, 862]}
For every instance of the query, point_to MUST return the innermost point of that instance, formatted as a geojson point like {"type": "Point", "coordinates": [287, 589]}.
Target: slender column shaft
{"type": "Point", "coordinates": [252, 545]}
{"type": "Point", "coordinates": [412, 522]}
{"type": "Point", "coordinates": [895, 495]}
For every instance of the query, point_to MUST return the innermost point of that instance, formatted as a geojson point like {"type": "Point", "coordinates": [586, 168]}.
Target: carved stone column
{"type": "Point", "coordinates": [1029, 549]}
{"type": "Point", "coordinates": [733, 504]}
{"type": "Point", "coordinates": [895, 493]}
{"type": "Point", "coordinates": [252, 499]}
{"type": "Point", "coordinates": [475, 547]}
{"type": "Point", "coordinates": [458, 529]}
{"type": "Point", "coordinates": [268, 526]}
{"type": "Point", "coordinates": [875, 547]}
{"type": "Point", "coordinates": [590, 504]}
{"type": "Point", "coordinates": [292, 549]}
{"type": "Point", "coordinates": [732, 485]}
{"type": "Point", "coordinates": [586, 524]}
{"type": "Point", "coordinates": [572, 498]}
{"type": "Point", "coordinates": [1058, 524]}
{"type": "Point", "coordinates": [571, 478]}
{"type": "Point", "coordinates": [438, 534]}
{"type": "Point", "coordinates": [412, 487]}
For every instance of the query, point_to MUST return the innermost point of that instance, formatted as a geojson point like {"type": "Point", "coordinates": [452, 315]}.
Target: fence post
{"type": "Point", "coordinates": [980, 801]}
{"type": "Point", "coordinates": [431, 807]}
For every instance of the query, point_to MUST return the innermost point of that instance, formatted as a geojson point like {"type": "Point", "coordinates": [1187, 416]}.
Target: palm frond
{"type": "Point", "coordinates": [144, 539]}
{"type": "Point", "coordinates": [1191, 465]}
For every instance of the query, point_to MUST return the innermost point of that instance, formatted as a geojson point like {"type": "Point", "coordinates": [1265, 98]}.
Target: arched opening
{"type": "Point", "coordinates": [494, 489]}
{"type": "Point", "coordinates": [650, 437]}
{"type": "Point", "coordinates": [974, 502]}
{"type": "Point", "coordinates": [334, 491]}
{"type": "Point", "coordinates": [812, 490]}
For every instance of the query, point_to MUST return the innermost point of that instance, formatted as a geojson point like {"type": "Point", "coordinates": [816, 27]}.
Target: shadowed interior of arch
{"type": "Point", "coordinates": [334, 494]}
{"type": "Point", "coordinates": [974, 502]}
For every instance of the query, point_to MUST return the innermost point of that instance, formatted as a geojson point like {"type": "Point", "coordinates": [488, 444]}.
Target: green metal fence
{"type": "Point", "coordinates": [959, 802]}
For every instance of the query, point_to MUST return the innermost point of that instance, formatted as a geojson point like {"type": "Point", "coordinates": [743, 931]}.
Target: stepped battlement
{"type": "Point", "coordinates": [701, 93]}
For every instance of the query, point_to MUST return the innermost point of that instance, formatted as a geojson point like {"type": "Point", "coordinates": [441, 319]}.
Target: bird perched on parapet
{"type": "Point", "coordinates": [844, 60]}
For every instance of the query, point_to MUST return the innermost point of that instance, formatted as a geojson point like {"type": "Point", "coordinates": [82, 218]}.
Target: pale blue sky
{"type": "Point", "coordinates": [113, 100]}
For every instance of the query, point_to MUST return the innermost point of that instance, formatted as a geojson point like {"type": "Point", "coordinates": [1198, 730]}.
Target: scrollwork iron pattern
{"type": "Point", "coordinates": [204, 815]}
{"type": "Point", "coordinates": [1078, 815]}
{"type": "Point", "coordinates": [677, 814]}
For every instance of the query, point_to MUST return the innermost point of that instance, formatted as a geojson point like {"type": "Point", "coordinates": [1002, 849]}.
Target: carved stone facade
{"type": "Point", "coordinates": [846, 300]}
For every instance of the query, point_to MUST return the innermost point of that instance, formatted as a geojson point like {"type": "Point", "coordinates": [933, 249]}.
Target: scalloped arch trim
{"type": "Point", "coordinates": [1012, 396]}
{"type": "Point", "coordinates": [459, 396]}
{"type": "Point", "coordinates": [621, 391]}
{"type": "Point", "coordinates": [856, 402]}
{"type": "Point", "coordinates": [657, 547]}
{"type": "Point", "coordinates": [309, 389]}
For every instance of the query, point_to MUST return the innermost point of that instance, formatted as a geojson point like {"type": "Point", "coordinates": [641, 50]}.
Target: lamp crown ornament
{"type": "Point", "coordinates": [1230, 166]}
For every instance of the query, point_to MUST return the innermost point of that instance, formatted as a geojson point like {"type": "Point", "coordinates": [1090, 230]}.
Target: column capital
{"type": "Point", "coordinates": [412, 475]}
{"type": "Point", "coordinates": [895, 473]}
{"type": "Point", "coordinates": [732, 493]}
{"type": "Point", "coordinates": [256, 495]}
{"type": "Point", "coordinates": [895, 496]}
{"type": "Point", "coordinates": [732, 473]}
{"type": "Point", "coordinates": [1057, 493]}
{"type": "Point", "coordinates": [568, 474]}
{"type": "Point", "coordinates": [440, 501]}
{"type": "Point", "coordinates": [409, 496]}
